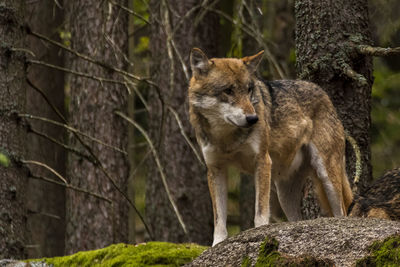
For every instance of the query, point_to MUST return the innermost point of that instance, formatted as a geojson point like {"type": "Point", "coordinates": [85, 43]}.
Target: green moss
{"type": "Point", "coordinates": [383, 253]}
{"type": "Point", "coordinates": [246, 262]}
{"type": "Point", "coordinates": [4, 160]}
{"type": "Point", "coordinates": [269, 256]}
{"type": "Point", "coordinates": [149, 254]}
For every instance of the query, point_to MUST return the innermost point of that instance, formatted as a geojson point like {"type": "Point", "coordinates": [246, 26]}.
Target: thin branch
{"type": "Point", "coordinates": [168, 30]}
{"type": "Point", "coordinates": [66, 185]}
{"type": "Point", "coordinates": [256, 29]}
{"type": "Point", "coordinates": [137, 167]}
{"type": "Point", "coordinates": [69, 128]}
{"type": "Point", "coordinates": [41, 92]}
{"type": "Point", "coordinates": [93, 77]}
{"type": "Point", "coordinates": [159, 166]}
{"type": "Point", "coordinates": [178, 120]}
{"type": "Point", "coordinates": [349, 72]}
{"type": "Point", "coordinates": [25, 50]}
{"type": "Point", "coordinates": [130, 11]}
{"type": "Point", "coordinates": [68, 148]}
{"type": "Point", "coordinates": [184, 66]}
{"type": "Point", "coordinates": [138, 93]}
{"type": "Point", "coordinates": [33, 162]}
{"type": "Point", "coordinates": [92, 60]}
{"type": "Point", "coordinates": [30, 211]}
{"type": "Point", "coordinates": [377, 51]}
{"type": "Point", "coordinates": [97, 162]}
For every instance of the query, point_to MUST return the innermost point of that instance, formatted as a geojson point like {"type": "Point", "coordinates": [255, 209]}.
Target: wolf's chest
{"type": "Point", "coordinates": [241, 153]}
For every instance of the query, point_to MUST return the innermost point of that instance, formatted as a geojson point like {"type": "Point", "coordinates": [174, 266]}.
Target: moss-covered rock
{"type": "Point", "coordinates": [383, 253]}
{"type": "Point", "coordinates": [149, 254]}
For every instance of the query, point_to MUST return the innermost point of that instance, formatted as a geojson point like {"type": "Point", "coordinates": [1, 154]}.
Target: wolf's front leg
{"type": "Point", "coordinates": [217, 183]}
{"type": "Point", "coordinates": [263, 186]}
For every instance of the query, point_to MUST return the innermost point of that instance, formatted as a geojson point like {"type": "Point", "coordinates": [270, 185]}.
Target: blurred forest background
{"type": "Point", "coordinates": [105, 92]}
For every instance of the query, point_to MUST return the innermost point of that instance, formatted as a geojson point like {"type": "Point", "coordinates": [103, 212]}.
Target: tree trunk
{"type": "Point", "coordinates": [185, 175]}
{"type": "Point", "coordinates": [45, 233]}
{"type": "Point", "coordinates": [12, 134]}
{"type": "Point", "coordinates": [326, 32]}
{"type": "Point", "coordinates": [98, 29]}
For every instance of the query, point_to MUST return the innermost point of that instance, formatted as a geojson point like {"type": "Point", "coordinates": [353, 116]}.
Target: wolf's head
{"type": "Point", "coordinates": [222, 89]}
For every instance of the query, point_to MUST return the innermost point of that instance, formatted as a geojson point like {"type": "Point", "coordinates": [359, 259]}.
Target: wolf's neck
{"type": "Point", "coordinates": [222, 135]}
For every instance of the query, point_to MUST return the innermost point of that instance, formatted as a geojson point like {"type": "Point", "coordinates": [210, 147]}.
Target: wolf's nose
{"type": "Point", "coordinates": [251, 119]}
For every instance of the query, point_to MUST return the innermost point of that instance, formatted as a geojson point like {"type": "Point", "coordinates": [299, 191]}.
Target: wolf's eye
{"type": "Point", "coordinates": [228, 91]}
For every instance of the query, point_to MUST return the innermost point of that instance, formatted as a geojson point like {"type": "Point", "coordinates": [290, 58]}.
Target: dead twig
{"type": "Point", "coordinates": [41, 92]}
{"type": "Point", "coordinates": [92, 60]}
{"type": "Point", "coordinates": [93, 77]}
{"type": "Point", "coordinates": [33, 162]}
{"type": "Point", "coordinates": [130, 11]}
{"type": "Point", "coordinates": [71, 129]}
{"type": "Point", "coordinates": [66, 185]}
{"type": "Point", "coordinates": [377, 51]}
{"type": "Point", "coordinates": [68, 148]}
{"type": "Point", "coordinates": [159, 167]}
{"type": "Point", "coordinates": [178, 120]}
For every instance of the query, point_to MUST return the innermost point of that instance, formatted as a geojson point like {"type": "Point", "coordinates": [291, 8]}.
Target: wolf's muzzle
{"type": "Point", "coordinates": [251, 119]}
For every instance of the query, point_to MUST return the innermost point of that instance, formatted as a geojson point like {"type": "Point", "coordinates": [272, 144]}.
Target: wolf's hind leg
{"type": "Point", "coordinates": [329, 175]}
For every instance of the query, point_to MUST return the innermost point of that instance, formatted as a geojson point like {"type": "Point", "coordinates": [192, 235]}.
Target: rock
{"type": "Point", "coordinates": [319, 242]}
{"type": "Point", "coordinates": [15, 263]}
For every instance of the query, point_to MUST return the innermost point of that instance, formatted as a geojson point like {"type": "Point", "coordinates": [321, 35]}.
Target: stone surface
{"type": "Point", "coordinates": [342, 240]}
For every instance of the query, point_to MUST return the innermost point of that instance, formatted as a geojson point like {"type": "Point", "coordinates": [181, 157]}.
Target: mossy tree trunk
{"type": "Point", "coordinates": [185, 175]}
{"type": "Point", "coordinates": [98, 29]}
{"type": "Point", "coordinates": [12, 133]}
{"type": "Point", "coordinates": [45, 232]}
{"type": "Point", "coordinates": [326, 35]}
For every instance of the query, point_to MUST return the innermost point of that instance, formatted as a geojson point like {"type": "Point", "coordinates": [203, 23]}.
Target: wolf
{"type": "Point", "coordinates": [380, 200]}
{"type": "Point", "coordinates": [279, 131]}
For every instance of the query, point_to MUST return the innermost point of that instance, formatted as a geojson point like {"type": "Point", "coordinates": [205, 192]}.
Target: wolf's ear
{"type": "Point", "coordinates": [199, 62]}
{"type": "Point", "coordinates": [252, 62]}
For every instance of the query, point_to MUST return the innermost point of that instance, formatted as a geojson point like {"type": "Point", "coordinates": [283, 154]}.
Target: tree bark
{"type": "Point", "coordinates": [186, 176]}
{"type": "Point", "coordinates": [45, 233]}
{"type": "Point", "coordinates": [98, 29]}
{"type": "Point", "coordinates": [12, 133]}
{"type": "Point", "coordinates": [326, 33]}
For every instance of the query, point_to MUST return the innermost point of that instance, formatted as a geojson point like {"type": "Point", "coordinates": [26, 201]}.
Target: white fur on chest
{"type": "Point", "coordinates": [244, 154]}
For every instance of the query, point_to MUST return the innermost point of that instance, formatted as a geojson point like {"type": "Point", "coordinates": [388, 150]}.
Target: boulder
{"type": "Point", "coordinates": [342, 241]}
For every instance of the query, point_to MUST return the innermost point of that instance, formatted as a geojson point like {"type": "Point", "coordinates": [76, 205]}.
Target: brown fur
{"type": "Point", "coordinates": [297, 134]}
